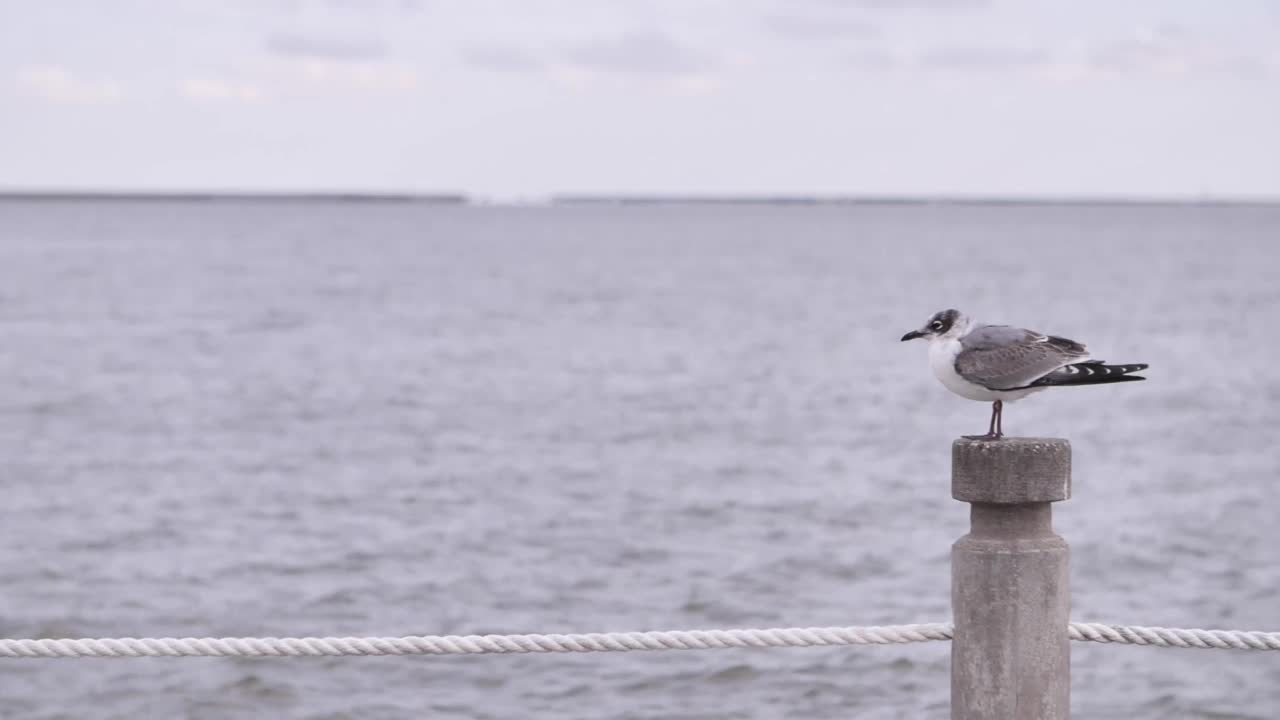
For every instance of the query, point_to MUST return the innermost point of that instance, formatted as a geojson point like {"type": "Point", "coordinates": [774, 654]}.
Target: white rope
{"type": "Point", "coordinates": [474, 644]}
{"type": "Point", "coordinates": [1176, 637]}
{"type": "Point", "coordinates": [601, 642]}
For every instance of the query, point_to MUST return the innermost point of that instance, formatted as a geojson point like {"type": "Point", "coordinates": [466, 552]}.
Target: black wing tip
{"type": "Point", "coordinates": [1093, 372]}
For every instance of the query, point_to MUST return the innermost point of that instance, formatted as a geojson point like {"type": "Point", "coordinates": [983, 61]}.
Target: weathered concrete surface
{"type": "Point", "coordinates": [1010, 658]}
{"type": "Point", "coordinates": [1011, 470]}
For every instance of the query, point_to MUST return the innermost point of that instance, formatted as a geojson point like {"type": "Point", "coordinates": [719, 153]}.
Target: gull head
{"type": "Point", "coordinates": [943, 324]}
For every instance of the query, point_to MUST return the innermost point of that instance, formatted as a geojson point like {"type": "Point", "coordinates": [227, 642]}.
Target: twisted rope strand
{"type": "Point", "coordinates": [473, 644]}
{"type": "Point", "coordinates": [601, 642]}
{"type": "Point", "coordinates": [1176, 637]}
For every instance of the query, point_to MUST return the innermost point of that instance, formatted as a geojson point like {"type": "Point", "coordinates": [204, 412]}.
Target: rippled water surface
{"type": "Point", "coordinates": [311, 419]}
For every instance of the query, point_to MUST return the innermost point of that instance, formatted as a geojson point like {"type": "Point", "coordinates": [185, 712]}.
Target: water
{"type": "Point", "coordinates": [309, 419]}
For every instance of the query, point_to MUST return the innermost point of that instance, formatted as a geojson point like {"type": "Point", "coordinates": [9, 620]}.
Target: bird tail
{"type": "Point", "coordinates": [1092, 372]}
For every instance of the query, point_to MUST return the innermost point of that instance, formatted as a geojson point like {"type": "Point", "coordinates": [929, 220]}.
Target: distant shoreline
{"type": "Point", "coordinates": [462, 199]}
{"type": "Point", "coordinates": [821, 200]}
{"type": "Point", "coordinates": [354, 197]}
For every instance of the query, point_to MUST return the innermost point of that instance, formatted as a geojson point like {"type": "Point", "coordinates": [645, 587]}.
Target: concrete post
{"type": "Point", "coordinates": [1010, 657]}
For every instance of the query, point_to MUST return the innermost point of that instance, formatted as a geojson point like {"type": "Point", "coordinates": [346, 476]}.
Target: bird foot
{"type": "Point", "coordinates": [988, 436]}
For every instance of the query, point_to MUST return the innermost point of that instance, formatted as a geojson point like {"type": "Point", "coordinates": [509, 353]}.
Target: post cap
{"type": "Point", "coordinates": [1011, 471]}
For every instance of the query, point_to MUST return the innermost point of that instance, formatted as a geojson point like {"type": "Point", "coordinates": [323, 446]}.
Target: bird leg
{"type": "Point", "coordinates": [995, 430]}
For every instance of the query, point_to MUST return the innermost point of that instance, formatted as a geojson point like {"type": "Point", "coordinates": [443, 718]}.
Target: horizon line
{"type": "Point", "coordinates": [570, 199]}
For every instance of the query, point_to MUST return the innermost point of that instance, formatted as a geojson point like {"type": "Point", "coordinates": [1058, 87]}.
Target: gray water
{"type": "Point", "coordinates": [309, 419]}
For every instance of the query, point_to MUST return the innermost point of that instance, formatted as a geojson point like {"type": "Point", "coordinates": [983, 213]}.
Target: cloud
{"type": "Point", "coordinates": [642, 52]}
{"type": "Point", "coordinates": [258, 79]}
{"type": "Point", "coordinates": [810, 26]}
{"type": "Point", "coordinates": [1163, 47]}
{"type": "Point", "coordinates": [325, 62]}
{"type": "Point", "coordinates": [375, 5]}
{"type": "Point", "coordinates": [337, 48]}
{"type": "Point", "coordinates": [374, 77]}
{"type": "Point", "coordinates": [219, 90]}
{"type": "Point", "coordinates": [502, 59]}
{"type": "Point", "coordinates": [873, 59]}
{"type": "Point", "coordinates": [57, 84]}
{"type": "Point", "coordinates": [1246, 66]}
{"type": "Point", "coordinates": [980, 58]}
{"type": "Point", "coordinates": [903, 4]}
{"type": "Point", "coordinates": [1170, 48]}
{"type": "Point", "coordinates": [638, 56]}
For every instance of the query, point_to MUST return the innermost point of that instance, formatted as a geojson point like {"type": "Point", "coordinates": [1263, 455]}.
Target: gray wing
{"type": "Point", "coordinates": [999, 357]}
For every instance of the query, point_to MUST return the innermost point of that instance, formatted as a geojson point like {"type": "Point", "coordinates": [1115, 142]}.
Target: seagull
{"type": "Point", "coordinates": [998, 363]}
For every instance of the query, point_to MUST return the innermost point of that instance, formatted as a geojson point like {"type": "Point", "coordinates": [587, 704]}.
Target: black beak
{"type": "Point", "coordinates": [912, 335]}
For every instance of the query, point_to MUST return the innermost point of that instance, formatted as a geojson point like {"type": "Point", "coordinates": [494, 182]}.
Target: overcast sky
{"type": "Point", "coordinates": [523, 98]}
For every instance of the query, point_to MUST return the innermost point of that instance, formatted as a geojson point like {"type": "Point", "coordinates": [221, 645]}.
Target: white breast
{"type": "Point", "coordinates": [942, 360]}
